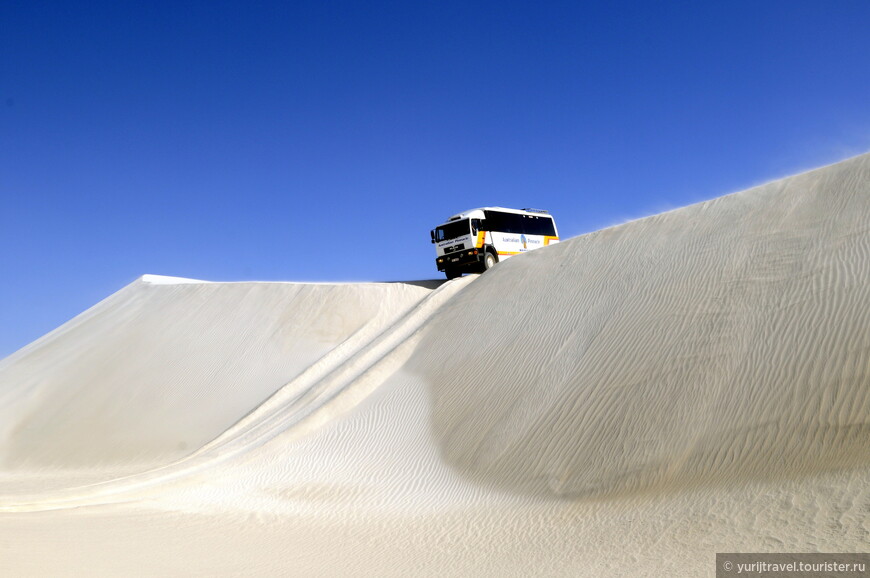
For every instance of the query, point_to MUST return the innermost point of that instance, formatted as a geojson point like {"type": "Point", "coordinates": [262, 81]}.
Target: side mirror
{"type": "Point", "coordinates": [432, 234]}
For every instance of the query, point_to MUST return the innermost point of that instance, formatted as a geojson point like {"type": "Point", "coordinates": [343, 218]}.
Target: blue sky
{"type": "Point", "coordinates": [320, 141]}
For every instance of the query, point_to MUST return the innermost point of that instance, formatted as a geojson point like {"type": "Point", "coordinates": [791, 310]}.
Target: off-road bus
{"type": "Point", "coordinates": [475, 240]}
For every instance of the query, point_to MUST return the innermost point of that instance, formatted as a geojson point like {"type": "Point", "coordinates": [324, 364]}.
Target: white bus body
{"type": "Point", "coordinates": [475, 240]}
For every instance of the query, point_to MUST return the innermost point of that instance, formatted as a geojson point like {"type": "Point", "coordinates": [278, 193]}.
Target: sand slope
{"type": "Point", "coordinates": [726, 340]}
{"type": "Point", "coordinates": [628, 402]}
{"type": "Point", "coordinates": [160, 368]}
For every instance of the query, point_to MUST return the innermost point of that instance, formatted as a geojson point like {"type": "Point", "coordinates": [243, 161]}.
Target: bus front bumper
{"type": "Point", "coordinates": [459, 259]}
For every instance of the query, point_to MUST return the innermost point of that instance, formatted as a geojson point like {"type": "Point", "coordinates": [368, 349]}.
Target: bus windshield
{"type": "Point", "coordinates": [452, 230]}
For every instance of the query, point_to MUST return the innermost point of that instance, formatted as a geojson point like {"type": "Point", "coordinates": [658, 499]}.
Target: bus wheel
{"type": "Point", "coordinates": [489, 261]}
{"type": "Point", "coordinates": [452, 274]}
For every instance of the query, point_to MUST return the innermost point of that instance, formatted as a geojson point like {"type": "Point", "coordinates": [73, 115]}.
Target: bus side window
{"type": "Point", "coordinates": [475, 226]}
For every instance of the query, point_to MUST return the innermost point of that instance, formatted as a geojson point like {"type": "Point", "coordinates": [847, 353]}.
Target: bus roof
{"type": "Point", "coordinates": [478, 213]}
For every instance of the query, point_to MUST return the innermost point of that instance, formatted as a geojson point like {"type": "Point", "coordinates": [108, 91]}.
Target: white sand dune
{"type": "Point", "coordinates": [629, 402]}
{"type": "Point", "coordinates": [165, 365]}
{"type": "Point", "coordinates": [704, 344]}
